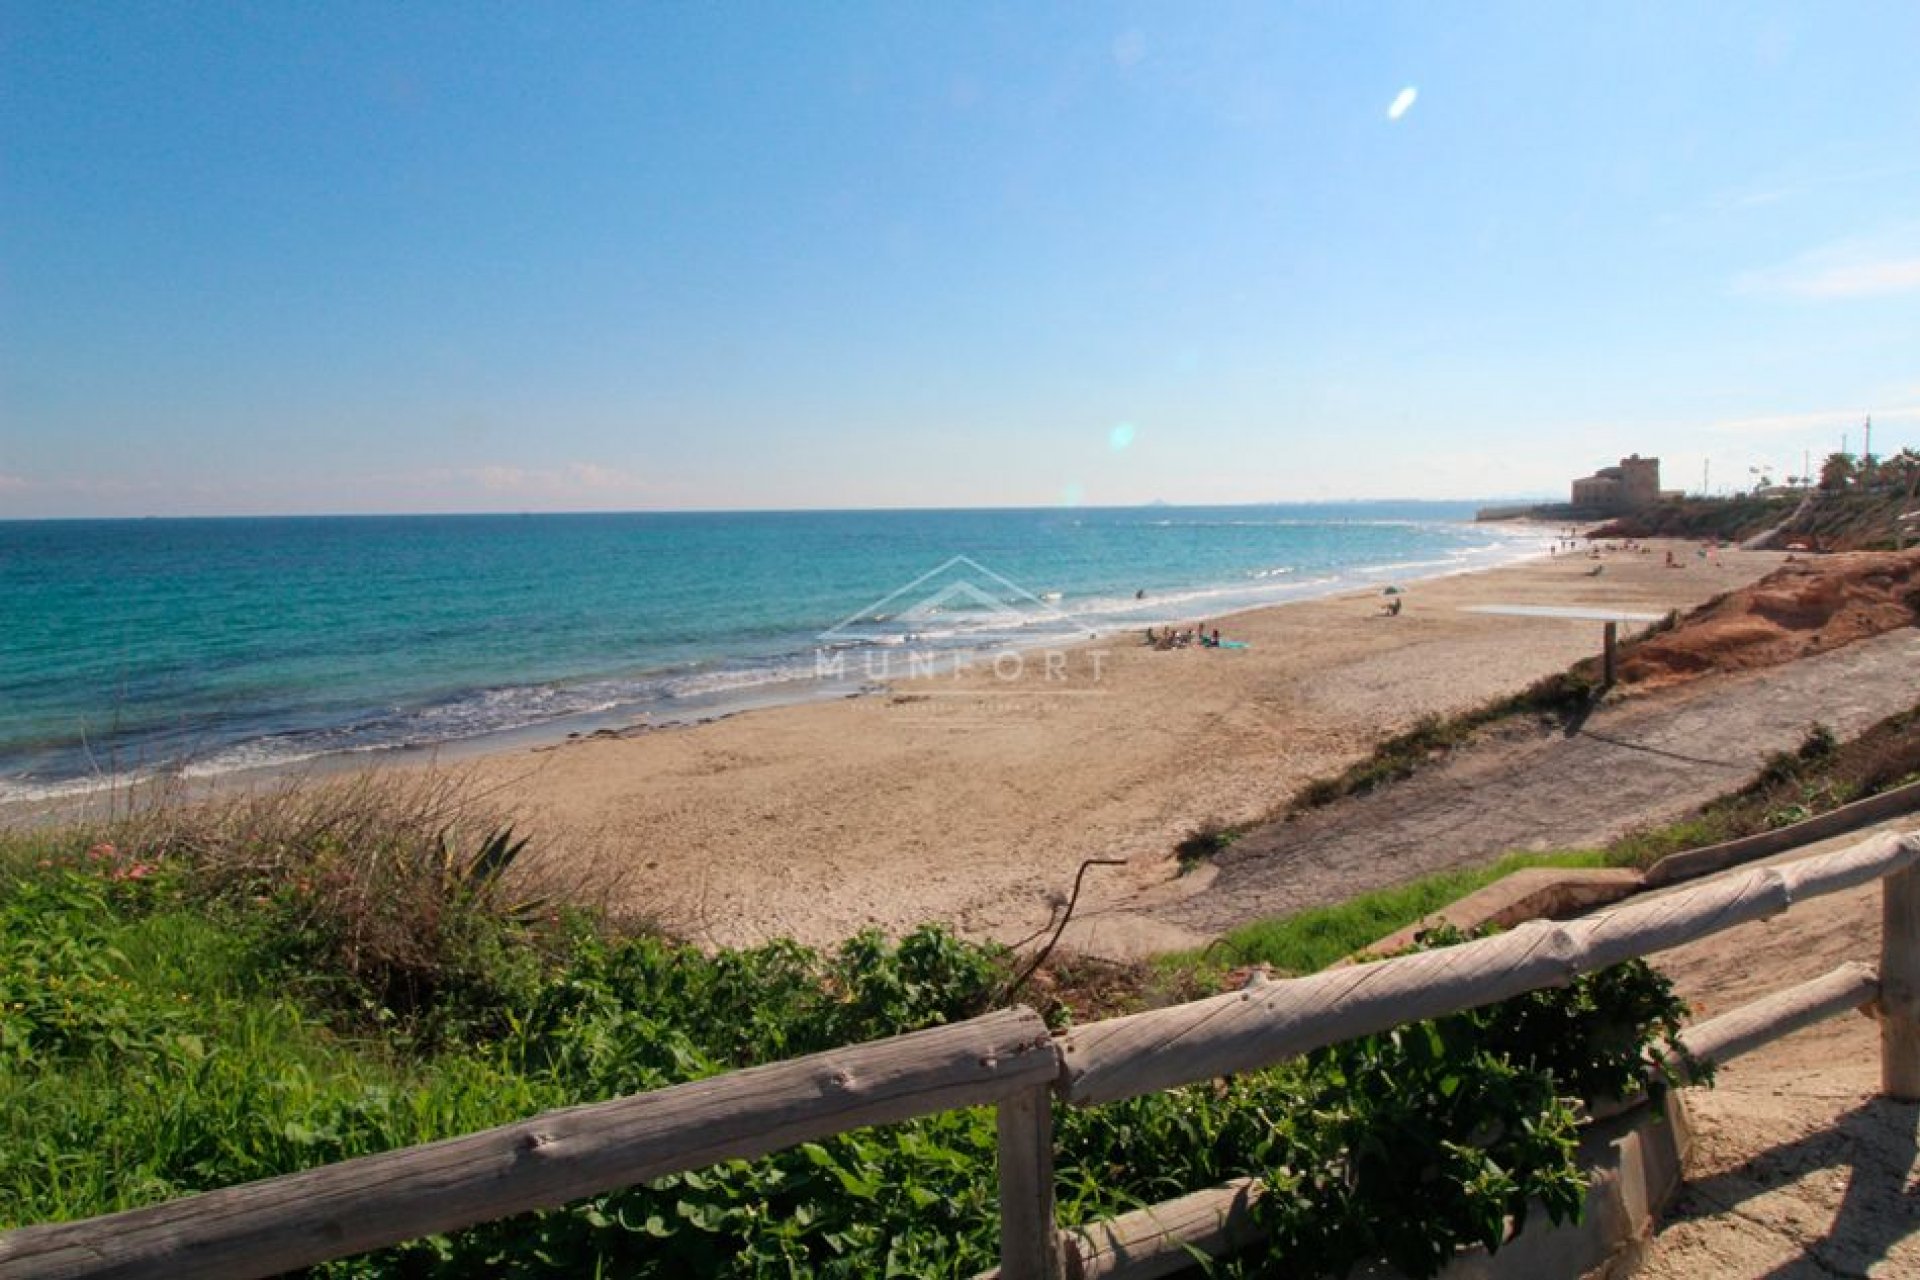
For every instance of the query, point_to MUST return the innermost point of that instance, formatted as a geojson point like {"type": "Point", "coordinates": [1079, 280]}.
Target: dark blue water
{"type": "Point", "coordinates": [128, 645]}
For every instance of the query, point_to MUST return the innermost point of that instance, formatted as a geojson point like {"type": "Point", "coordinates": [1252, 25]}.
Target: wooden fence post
{"type": "Point", "coordinates": [1029, 1240]}
{"type": "Point", "coordinates": [1900, 985]}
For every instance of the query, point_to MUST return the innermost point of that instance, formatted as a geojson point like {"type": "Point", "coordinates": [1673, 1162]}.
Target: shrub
{"type": "Point", "coordinates": [1204, 843]}
{"type": "Point", "coordinates": [154, 1047]}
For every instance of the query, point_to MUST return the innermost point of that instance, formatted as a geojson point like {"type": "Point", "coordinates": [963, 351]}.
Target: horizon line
{"type": "Point", "coordinates": [747, 511]}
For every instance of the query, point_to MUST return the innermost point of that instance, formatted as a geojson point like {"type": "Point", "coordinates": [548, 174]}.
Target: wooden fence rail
{"type": "Point", "coordinates": [1263, 1025]}
{"type": "Point", "coordinates": [1006, 1059]}
{"type": "Point", "coordinates": [263, 1228]}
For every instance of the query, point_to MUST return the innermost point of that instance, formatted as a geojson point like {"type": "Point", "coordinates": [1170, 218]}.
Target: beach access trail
{"type": "Point", "coordinates": [1640, 761]}
{"type": "Point", "coordinates": [1799, 1170]}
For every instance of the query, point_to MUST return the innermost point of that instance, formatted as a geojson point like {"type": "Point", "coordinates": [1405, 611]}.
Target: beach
{"type": "Point", "coordinates": [972, 799]}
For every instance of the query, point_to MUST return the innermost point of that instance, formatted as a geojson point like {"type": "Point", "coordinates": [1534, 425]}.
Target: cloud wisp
{"type": "Point", "coordinates": [1403, 102]}
{"type": "Point", "coordinates": [1864, 268]}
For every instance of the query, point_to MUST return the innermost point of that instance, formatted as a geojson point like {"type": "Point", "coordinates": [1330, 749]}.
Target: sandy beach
{"type": "Point", "coordinates": [974, 799]}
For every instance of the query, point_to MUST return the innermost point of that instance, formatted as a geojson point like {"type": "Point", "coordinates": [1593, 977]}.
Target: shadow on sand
{"type": "Point", "coordinates": [1875, 1144]}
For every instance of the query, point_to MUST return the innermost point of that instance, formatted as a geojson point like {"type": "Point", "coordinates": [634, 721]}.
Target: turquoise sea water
{"type": "Point", "coordinates": [131, 645]}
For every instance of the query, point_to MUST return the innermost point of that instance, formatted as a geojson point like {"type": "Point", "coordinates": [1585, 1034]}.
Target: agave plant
{"type": "Point", "coordinates": [477, 879]}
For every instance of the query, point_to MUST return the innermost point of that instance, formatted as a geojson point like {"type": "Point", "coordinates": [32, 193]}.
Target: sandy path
{"type": "Point", "coordinates": [973, 801]}
{"type": "Point", "coordinates": [1798, 1169]}
{"type": "Point", "coordinates": [1633, 763]}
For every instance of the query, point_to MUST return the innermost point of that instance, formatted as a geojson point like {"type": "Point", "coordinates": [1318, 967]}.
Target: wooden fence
{"type": "Point", "coordinates": [1008, 1060]}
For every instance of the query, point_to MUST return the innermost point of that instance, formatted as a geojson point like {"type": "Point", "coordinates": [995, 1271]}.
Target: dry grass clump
{"type": "Point", "coordinates": [391, 892]}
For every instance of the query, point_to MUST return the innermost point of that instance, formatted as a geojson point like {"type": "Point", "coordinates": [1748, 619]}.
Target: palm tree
{"type": "Point", "coordinates": [1838, 471]}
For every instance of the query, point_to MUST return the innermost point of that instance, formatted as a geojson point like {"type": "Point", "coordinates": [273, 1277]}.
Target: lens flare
{"type": "Point", "coordinates": [1121, 436]}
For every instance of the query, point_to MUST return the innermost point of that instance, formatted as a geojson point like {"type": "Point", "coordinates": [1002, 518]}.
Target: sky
{"type": "Point", "coordinates": [293, 258]}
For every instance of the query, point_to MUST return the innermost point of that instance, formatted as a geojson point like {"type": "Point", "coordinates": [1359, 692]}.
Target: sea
{"type": "Point", "coordinates": [206, 646]}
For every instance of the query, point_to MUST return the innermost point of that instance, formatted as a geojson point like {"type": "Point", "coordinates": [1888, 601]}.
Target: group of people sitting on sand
{"type": "Point", "coordinates": [1195, 636]}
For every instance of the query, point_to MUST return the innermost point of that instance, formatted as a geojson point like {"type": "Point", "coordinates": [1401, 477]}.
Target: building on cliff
{"type": "Point", "coordinates": [1632, 485]}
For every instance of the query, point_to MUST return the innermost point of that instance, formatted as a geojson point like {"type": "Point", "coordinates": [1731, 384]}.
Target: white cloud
{"type": "Point", "coordinates": [1402, 103]}
{"type": "Point", "coordinates": [1866, 268]}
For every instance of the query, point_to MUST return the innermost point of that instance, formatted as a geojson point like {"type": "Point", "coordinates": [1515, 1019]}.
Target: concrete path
{"type": "Point", "coordinates": [1798, 1169]}
{"type": "Point", "coordinates": [1637, 762]}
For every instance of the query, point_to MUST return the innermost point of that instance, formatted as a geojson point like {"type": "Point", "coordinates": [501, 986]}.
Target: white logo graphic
{"type": "Point", "coordinates": [945, 619]}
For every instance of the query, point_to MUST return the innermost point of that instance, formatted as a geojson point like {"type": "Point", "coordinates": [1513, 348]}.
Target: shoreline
{"type": "Point", "coordinates": [691, 711]}
{"type": "Point", "coordinates": [973, 799]}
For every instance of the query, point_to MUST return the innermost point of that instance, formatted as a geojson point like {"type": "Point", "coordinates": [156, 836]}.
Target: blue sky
{"type": "Point", "coordinates": [428, 257]}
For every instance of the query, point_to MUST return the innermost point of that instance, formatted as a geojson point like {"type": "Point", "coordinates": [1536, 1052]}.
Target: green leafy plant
{"type": "Point", "coordinates": [154, 1045]}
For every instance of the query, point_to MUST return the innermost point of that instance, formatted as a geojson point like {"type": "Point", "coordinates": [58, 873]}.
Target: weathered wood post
{"type": "Point", "coordinates": [1029, 1240]}
{"type": "Point", "coordinates": [1611, 648]}
{"type": "Point", "coordinates": [1900, 985]}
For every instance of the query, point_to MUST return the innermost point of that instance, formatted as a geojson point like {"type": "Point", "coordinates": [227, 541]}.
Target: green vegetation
{"type": "Point", "coordinates": [191, 999]}
{"type": "Point", "coordinates": [1204, 842]}
{"type": "Point", "coordinates": [1820, 775]}
{"type": "Point", "coordinates": [1310, 940]}
{"type": "Point", "coordinates": [1817, 777]}
{"type": "Point", "coordinates": [1856, 507]}
{"type": "Point", "coordinates": [1726, 519]}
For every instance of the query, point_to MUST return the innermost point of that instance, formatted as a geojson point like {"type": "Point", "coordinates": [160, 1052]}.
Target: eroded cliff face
{"type": "Point", "coordinates": [1805, 606]}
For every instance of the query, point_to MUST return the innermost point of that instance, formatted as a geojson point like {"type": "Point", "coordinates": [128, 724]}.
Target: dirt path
{"type": "Point", "coordinates": [1636, 762]}
{"type": "Point", "coordinates": [1798, 1170]}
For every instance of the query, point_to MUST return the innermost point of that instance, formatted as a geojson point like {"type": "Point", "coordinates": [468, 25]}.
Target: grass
{"type": "Point", "coordinates": [1310, 940]}
{"type": "Point", "coordinates": [1819, 775]}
